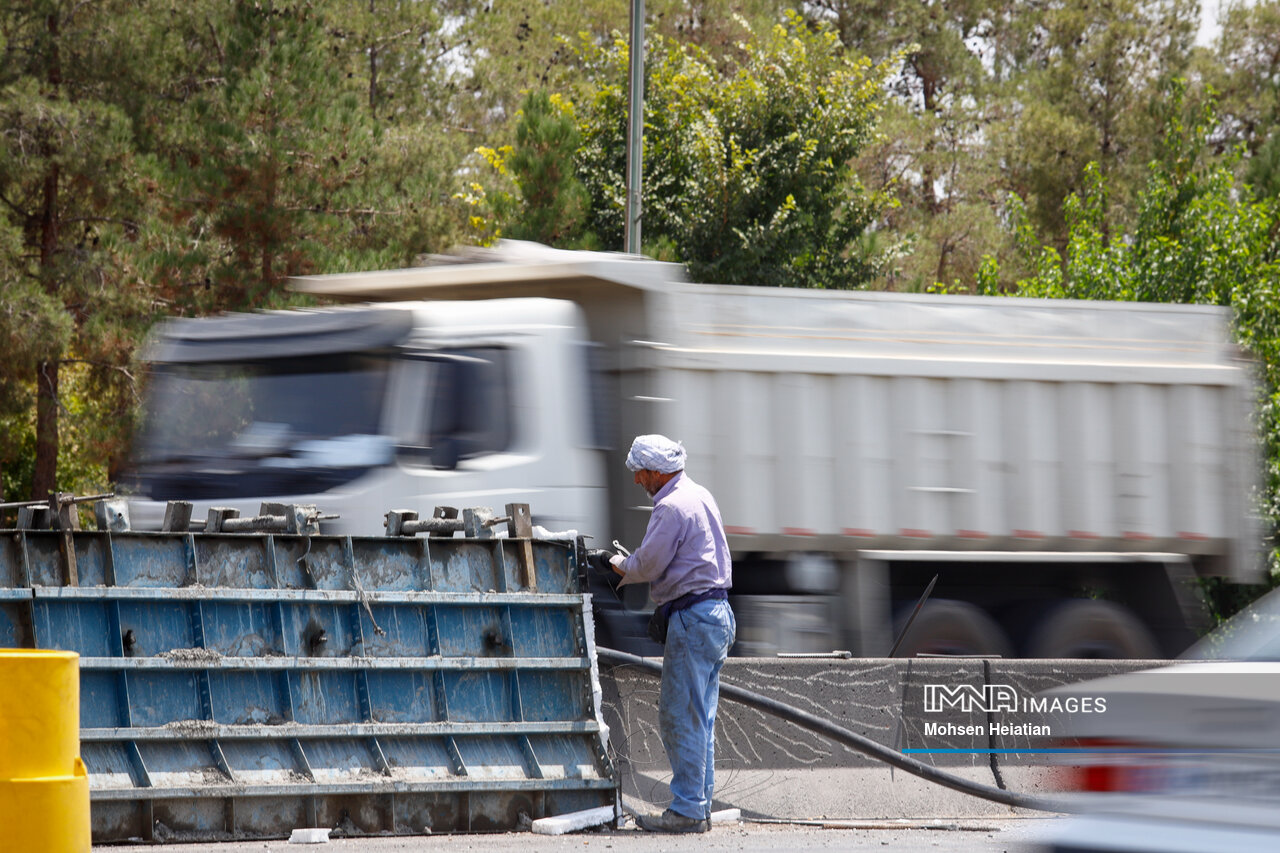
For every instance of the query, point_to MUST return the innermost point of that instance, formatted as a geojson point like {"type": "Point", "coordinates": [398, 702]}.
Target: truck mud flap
{"type": "Point", "coordinates": [238, 686]}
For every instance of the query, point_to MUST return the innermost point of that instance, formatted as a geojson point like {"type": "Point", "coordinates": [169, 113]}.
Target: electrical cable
{"type": "Point", "coordinates": [858, 742]}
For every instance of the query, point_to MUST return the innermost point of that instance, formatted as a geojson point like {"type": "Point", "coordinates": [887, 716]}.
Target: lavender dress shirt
{"type": "Point", "coordinates": [684, 548]}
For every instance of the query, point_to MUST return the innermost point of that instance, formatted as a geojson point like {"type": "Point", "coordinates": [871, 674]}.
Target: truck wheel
{"type": "Point", "coordinates": [1091, 628]}
{"type": "Point", "coordinates": [949, 627]}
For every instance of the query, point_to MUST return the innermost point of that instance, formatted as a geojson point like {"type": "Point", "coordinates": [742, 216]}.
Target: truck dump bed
{"type": "Point", "coordinates": [840, 421]}
{"type": "Point", "coordinates": [911, 421]}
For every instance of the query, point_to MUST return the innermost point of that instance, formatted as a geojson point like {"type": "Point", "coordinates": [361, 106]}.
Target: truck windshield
{"type": "Point", "coordinates": [278, 408]}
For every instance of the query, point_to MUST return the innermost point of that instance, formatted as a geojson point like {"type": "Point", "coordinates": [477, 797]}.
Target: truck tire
{"type": "Point", "coordinates": [1093, 629]}
{"type": "Point", "coordinates": [949, 627]}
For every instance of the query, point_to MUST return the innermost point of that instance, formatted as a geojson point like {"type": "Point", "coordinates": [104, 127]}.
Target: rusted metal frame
{"type": "Point", "coordinates": [132, 751]}
{"type": "Point", "coordinates": [405, 522]}
{"type": "Point", "coordinates": [585, 628]}
{"type": "Point", "coordinates": [177, 517]}
{"type": "Point", "coordinates": [22, 590]}
{"type": "Point", "coordinates": [533, 765]}
{"type": "Point", "coordinates": [312, 819]}
{"type": "Point", "coordinates": [189, 555]}
{"type": "Point", "coordinates": [300, 756]}
{"type": "Point", "coordinates": [205, 687]}
{"type": "Point", "coordinates": [362, 595]}
{"type": "Point", "coordinates": [362, 674]}
{"type": "Point", "coordinates": [271, 561]}
{"type": "Point", "coordinates": [137, 765]}
{"type": "Point", "coordinates": [66, 520]}
{"type": "Point", "coordinates": [24, 559]}
{"type": "Point", "coordinates": [520, 530]}
{"type": "Point", "coordinates": [445, 512]}
{"type": "Point", "coordinates": [67, 550]}
{"type": "Point", "coordinates": [277, 616]}
{"type": "Point", "coordinates": [437, 686]}
{"type": "Point", "coordinates": [323, 789]}
{"type": "Point", "coordinates": [259, 731]}
{"type": "Point", "coordinates": [422, 567]}
{"type": "Point", "coordinates": [317, 596]}
{"type": "Point", "coordinates": [434, 648]}
{"type": "Point", "coordinates": [141, 775]}
{"type": "Point", "coordinates": [458, 766]}
{"type": "Point", "coordinates": [109, 562]}
{"type": "Point", "coordinates": [274, 517]}
{"type": "Point", "coordinates": [302, 663]}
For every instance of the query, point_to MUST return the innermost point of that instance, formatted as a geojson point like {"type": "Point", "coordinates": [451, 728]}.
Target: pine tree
{"type": "Point", "coordinates": [68, 189]}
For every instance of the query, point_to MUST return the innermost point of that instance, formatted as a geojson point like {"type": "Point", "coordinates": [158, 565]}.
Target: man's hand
{"type": "Point", "coordinates": [601, 560]}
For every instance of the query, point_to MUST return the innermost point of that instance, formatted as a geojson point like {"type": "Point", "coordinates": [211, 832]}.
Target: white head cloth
{"type": "Point", "coordinates": [656, 453]}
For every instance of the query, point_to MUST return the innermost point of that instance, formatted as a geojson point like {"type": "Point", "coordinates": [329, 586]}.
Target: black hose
{"type": "Point", "coordinates": [857, 742]}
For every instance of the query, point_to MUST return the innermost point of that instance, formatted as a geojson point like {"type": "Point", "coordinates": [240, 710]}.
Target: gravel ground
{"type": "Point", "coordinates": [1000, 835]}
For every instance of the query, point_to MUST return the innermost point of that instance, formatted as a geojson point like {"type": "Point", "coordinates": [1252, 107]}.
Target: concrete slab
{"type": "Point", "coordinates": [770, 768]}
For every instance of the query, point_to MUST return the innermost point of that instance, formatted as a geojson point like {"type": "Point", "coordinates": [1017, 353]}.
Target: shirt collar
{"type": "Point", "coordinates": [669, 487]}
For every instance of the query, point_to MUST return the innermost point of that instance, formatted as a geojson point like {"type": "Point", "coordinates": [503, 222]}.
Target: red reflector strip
{"type": "Point", "coordinates": [915, 534]}
{"type": "Point", "coordinates": [798, 531]}
{"type": "Point", "coordinates": [740, 531]}
{"type": "Point", "coordinates": [971, 534]}
{"type": "Point", "coordinates": [1195, 537]}
{"type": "Point", "coordinates": [1140, 537]}
{"type": "Point", "coordinates": [1111, 768]}
{"type": "Point", "coordinates": [858, 531]}
{"type": "Point", "coordinates": [1083, 534]}
{"type": "Point", "coordinates": [1027, 534]}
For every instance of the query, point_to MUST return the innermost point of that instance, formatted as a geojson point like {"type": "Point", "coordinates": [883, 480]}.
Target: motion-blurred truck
{"type": "Point", "coordinates": [1066, 469]}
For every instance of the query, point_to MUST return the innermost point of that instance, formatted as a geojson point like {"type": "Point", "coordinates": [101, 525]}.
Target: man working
{"type": "Point", "coordinates": [685, 559]}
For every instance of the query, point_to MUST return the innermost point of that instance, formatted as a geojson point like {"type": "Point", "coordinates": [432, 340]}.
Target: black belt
{"type": "Point", "coordinates": [689, 599]}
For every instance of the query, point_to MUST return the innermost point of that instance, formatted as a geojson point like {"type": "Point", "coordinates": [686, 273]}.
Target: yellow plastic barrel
{"type": "Point", "coordinates": [44, 789]}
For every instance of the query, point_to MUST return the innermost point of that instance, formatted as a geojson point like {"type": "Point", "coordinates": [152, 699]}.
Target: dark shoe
{"type": "Point", "coordinates": [670, 821]}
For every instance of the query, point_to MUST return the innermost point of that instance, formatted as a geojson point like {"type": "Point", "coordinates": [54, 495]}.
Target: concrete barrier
{"type": "Point", "coordinates": [772, 768]}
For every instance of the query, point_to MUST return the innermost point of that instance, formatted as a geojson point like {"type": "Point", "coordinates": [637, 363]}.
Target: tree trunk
{"type": "Point", "coordinates": [46, 474]}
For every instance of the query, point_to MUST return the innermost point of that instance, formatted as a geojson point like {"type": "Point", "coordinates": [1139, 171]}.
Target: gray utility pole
{"type": "Point", "coordinates": [635, 130]}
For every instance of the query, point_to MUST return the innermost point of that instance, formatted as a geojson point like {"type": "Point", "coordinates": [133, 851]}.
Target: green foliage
{"type": "Point", "coordinates": [510, 49]}
{"type": "Point", "coordinates": [68, 183]}
{"type": "Point", "coordinates": [261, 162]}
{"type": "Point", "coordinates": [545, 201]}
{"type": "Point", "coordinates": [1197, 237]}
{"type": "Point", "coordinates": [1243, 68]}
{"type": "Point", "coordinates": [1263, 173]}
{"type": "Point", "coordinates": [933, 156]}
{"type": "Point", "coordinates": [1090, 77]}
{"type": "Point", "coordinates": [747, 170]}
{"type": "Point", "coordinates": [1193, 238]}
{"type": "Point", "coordinates": [542, 166]}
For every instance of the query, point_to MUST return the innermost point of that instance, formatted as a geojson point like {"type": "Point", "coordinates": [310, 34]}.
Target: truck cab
{"type": "Point", "coordinates": [361, 410]}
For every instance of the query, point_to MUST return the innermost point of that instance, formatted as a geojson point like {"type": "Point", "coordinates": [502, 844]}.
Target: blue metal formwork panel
{"type": "Point", "coordinates": [242, 685]}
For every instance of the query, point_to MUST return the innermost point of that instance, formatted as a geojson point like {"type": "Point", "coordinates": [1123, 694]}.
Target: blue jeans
{"type": "Point", "coordinates": [698, 641]}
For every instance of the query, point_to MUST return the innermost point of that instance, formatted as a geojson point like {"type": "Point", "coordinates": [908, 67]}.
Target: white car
{"type": "Point", "coordinates": [1186, 758]}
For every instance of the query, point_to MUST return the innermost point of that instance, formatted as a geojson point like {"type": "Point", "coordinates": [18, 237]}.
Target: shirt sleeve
{"type": "Point", "coordinates": [661, 538]}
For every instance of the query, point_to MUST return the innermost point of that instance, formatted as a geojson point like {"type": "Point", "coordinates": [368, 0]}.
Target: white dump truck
{"type": "Point", "coordinates": [1064, 469]}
